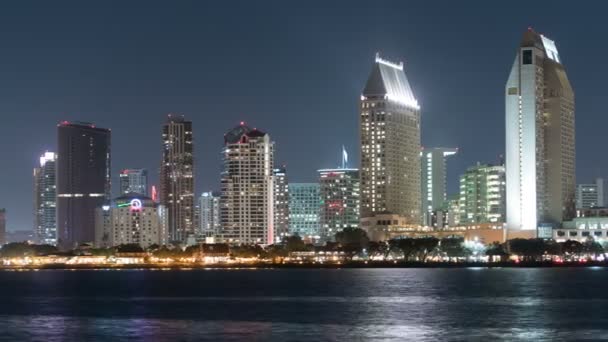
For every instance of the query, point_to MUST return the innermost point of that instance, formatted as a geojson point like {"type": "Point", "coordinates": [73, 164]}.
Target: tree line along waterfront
{"type": "Point", "coordinates": [352, 247]}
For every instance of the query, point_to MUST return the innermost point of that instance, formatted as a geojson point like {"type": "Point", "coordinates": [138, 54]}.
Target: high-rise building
{"type": "Point", "coordinates": [482, 195]}
{"type": "Point", "coordinates": [2, 226]}
{"type": "Point", "coordinates": [590, 195]}
{"type": "Point", "coordinates": [340, 200]}
{"type": "Point", "coordinates": [83, 180]}
{"type": "Point", "coordinates": [304, 210]}
{"type": "Point", "coordinates": [209, 204]}
{"type": "Point", "coordinates": [281, 203]}
{"type": "Point", "coordinates": [390, 144]}
{"type": "Point", "coordinates": [453, 211]}
{"type": "Point", "coordinates": [177, 177]}
{"type": "Point", "coordinates": [134, 181]}
{"type": "Point", "coordinates": [45, 200]}
{"type": "Point", "coordinates": [247, 201]}
{"type": "Point", "coordinates": [540, 140]}
{"type": "Point", "coordinates": [130, 219]}
{"type": "Point", "coordinates": [434, 181]}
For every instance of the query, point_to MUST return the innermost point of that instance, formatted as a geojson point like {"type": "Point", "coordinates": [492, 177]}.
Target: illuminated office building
{"type": "Point", "coordinates": [83, 180]}
{"type": "Point", "coordinates": [304, 208]}
{"type": "Point", "coordinates": [177, 177]}
{"type": "Point", "coordinates": [209, 204]}
{"type": "Point", "coordinates": [540, 139]}
{"type": "Point", "coordinates": [281, 203]}
{"type": "Point", "coordinates": [45, 200]}
{"type": "Point", "coordinates": [247, 201]}
{"type": "Point", "coordinates": [482, 195]}
{"type": "Point", "coordinates": [134, 181]}
{"type": "Point", "coordinates": [590, 195]}
{"type": "Point", "coordinates": [340, 201]}
{"type": "Point", "coordinates": [434, 183]}
{"type": "Point", "coordinates": [390, 144]}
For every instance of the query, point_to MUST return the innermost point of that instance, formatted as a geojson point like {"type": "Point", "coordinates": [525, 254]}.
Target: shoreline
{"type": "Point", "coordinates": [347, 265]}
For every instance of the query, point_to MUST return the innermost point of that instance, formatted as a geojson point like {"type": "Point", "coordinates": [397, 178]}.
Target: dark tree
{"type": "Point", "coordinates": [497, 249]}
{"type": "Point", "coordinates": [44, 249]}
{"type": "Point", "coordinates": [355, 238]}
{"type": "Point", "coordinates": [294, 243]}
{"type": "Point", "coordinates": [453, 247]}
{"type": "Point", "coordinates": [129, 248]}
{"type": "Point", "coordinates": [572, 247]}
{"type": "Point", "coordinates": [16, 250]}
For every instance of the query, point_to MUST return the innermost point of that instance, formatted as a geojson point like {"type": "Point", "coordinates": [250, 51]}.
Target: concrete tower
{"type": "Point", "coordinates": [390, 144]}
{"type": "Point", "coordinates": [540, 139]}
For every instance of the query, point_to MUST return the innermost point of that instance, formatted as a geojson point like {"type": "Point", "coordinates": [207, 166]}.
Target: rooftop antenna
{"type": "Point", "coordinates": [344, 157]}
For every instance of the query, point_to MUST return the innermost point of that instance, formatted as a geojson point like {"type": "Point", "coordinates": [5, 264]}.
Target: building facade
{"type": "Point", "coordinates": [281, 203]}
{"type": "Point", "coordinates": [177, 176]}
{"type": "Point", "coordinates": [130, 219]}
{"type": "Point", "coordinates": [340, 201]}
{"type": "Point", "coordinates": [390, 144]}
{"type": "Point", "coordinates": [209, 204]}
{"type": "Point", "coordinates": [590, 195]}
{"type": "Point", "coordinates": [247, 202]}
{"type": "Point", "coordinates": [540, 138]}
{"type": "Point", "coordinates": [83, 180]}
{"type": "Point", "coordinates": [134, 181]}
{"type": "Point", "coordinates": [45, 200]}
{"type": "Point", "coordinates": [434, 182]}
{"type": "Point", "coordinates": [482, 195]}
{"type": "Point", "coordinates": [304, 210]}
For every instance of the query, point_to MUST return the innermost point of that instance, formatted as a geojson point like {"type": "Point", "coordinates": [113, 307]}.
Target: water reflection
{"type": "Point", "coordinates": [298, 305]}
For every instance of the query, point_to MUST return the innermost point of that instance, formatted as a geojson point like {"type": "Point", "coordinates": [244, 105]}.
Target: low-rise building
{"type": "Point", "coordinates": [132, 218]}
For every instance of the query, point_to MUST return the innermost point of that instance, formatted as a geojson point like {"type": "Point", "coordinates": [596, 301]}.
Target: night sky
{"type": "Point", "coordinates": [292, 69]}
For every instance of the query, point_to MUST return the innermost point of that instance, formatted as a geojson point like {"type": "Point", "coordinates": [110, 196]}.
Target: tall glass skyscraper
{"type": "Point", "coordinates": [83, 180]}
{"type": "Point", "coordinates": [45, 200]}
{"type": "Point", "coordinates": [247, 201]}
{"type": "Point", "coordinates": [304, 210]}
{"type": "Point", "coordinates": [134, 181]}
{"type": "Point", "coordinates": [540, 139]}
{"type": "Point", "coordinates": [177, 177]}
{"type": "Point", "coordinates": [390, 144]}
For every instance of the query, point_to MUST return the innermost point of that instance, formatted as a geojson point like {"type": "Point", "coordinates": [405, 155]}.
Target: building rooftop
{"type": "Point", "coordinates": [388, 80]}
{"type": "Point", "coordinates": [235, 135]}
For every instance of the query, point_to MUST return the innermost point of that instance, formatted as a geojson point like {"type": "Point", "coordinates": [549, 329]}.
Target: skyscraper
{"type": "Point", "coordinates": [340, 200]}
{"type": "Point", "coordinates": [482, 195]}
{"type": "Point", "coordinates": [247, 201]}
{"type": "Point", "coordinates": [539, 104]}
{"type": "Point", "coordinates": [134, 181]}
{"type": "Point", "coordinates": [209, 204]}
{"type": "Point", "coordinates": [390, 144]}
{"type": "Point", "coordinates": [590, 195]}
{"type": "Point", "coordinates": [45, 200]}
{"type": "Point", "coordinates": [281, 203]}
{"type": "Point", "coordinates": [177, 177]}
{"type": "Point", "coordinates": [434, 181]}
{"type": "Point", "coordinates": [83, 180]}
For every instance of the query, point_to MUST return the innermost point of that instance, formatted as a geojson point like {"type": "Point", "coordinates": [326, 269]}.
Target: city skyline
{"type": "Point", "coordinates": [112, 110]}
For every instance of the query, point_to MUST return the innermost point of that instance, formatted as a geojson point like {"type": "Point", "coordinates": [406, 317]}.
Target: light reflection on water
{"type": "Point", "coordinates": [305, 305]}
